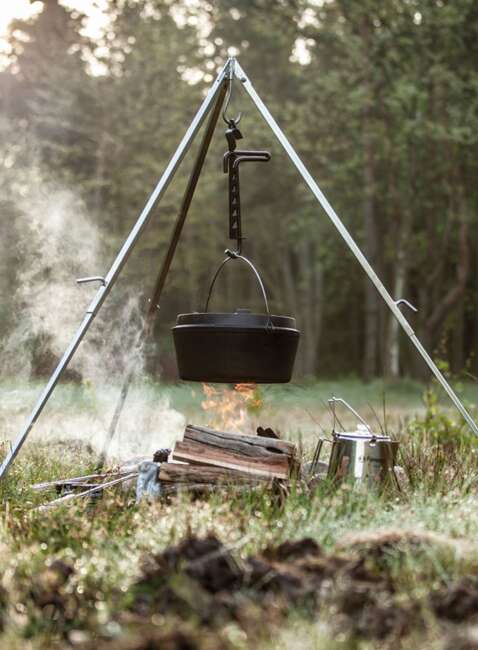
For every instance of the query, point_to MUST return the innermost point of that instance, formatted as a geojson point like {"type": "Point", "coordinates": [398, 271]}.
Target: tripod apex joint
{"type": "Point", "coordinates": [230, 71]}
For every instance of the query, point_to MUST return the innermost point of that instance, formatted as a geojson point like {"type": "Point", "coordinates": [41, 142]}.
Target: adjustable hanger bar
{"type": "Point", "coordinates": [231, 162]}
{"type": "Point", "coordinates": [120, 261]}
{"type": "Point", "coordinates": [316, 191]}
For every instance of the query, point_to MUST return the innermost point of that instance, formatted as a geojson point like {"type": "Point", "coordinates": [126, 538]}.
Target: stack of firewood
{"type": "Point", "coordinates": [208, 457]}
{"type": "Point", "coordinates": [201, 462]}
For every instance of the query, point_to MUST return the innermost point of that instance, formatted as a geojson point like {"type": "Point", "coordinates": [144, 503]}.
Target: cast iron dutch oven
{"type": "Point", "coordinates": [235, 347]}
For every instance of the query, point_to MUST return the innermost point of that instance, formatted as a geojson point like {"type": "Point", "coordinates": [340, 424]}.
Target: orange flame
{"type": "Point", "coordinates": [228, 409]}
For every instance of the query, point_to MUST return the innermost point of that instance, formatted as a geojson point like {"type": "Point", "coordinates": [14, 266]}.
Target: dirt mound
{"type": "Point", "coordinates": [381, 543]}
{"type": "Point", "coordinates": [201, 577]}
{"type": "Point", "coordinates": [197, 578]}
{"type": "Point", "coordinates": [291, 551]}
{"type": "Point", "coordinates": [206, 560]}
{"type": "Point", "coordinates": [457, 602]}
{"type": "Point", "coordinates": [50, 593]}
{"type": "Point", "coordinates": [369, 610]}
{"type": "Point", "coordinates": [201, 585]}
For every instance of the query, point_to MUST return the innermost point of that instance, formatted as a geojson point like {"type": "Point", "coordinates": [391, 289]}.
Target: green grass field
{"type": "Point", "coordinates": [391, 570]}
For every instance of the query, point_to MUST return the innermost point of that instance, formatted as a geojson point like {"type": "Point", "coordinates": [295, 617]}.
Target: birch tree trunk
{"type": "Point", "coordinates": [392, 351]}
{"type": "Point", "coordinates": [392, 347]}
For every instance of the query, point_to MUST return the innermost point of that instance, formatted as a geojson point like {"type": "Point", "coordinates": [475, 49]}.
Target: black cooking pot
{"type": "Point", "coordinates": [235, 347]}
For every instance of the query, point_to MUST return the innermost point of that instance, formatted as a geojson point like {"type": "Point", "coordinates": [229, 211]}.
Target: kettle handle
{"type": "Point", "coordinates": [232, 255]}
{"type": "Point", "coordinates": [334, 400]}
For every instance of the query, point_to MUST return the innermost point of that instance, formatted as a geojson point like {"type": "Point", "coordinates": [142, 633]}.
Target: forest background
{"type": "Point", "coordinates": [379, 97]}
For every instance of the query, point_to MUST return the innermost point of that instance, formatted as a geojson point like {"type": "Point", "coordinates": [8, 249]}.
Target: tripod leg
{"type": "Point", "coordinates": [116, 416]}
{"type": "Point", "coordinates": [316, 191]}
{"type": "Point", "coordinates": [118, 263]}
{"type": "Point", "coordinates": [166, 265]}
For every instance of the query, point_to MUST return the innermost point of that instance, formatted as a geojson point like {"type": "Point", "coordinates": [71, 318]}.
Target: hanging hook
{"type": "Point", "coordinates": [230, 122]}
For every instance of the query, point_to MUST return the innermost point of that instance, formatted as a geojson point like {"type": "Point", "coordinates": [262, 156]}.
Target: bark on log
{"type": "Point", "coordinates": [238, 441]}
{"type": "Point", "coordinates": [253, 455]}
{"type": "Point", "coordinates": [194, 474]}
{"type": "Point", "coordinates": [200, 489]}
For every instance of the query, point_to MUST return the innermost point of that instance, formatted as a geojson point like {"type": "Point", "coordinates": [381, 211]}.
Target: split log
{"type": "Point", "coordinates": [180, 473]}
{"type": "Point", "coordinates": [77, 479]}
{"type": "Point", "coordinates": [75, 485]}
{"type": "Point", "coordinates": [254, 455]}
{"type": "Point", "coordinates": [90, 491]}
{"type": "Point", "coordinates": [201, 489]}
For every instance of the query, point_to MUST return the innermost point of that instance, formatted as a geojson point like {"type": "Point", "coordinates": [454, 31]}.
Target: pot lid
{"type": "Point", "coordinates": [239, 318]}
{"type": "Point", "coordinates": [361, 433]}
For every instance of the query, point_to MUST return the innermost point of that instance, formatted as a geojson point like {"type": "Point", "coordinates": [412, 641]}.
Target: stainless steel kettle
{"type": "Point", "coordinates": [361, 455]}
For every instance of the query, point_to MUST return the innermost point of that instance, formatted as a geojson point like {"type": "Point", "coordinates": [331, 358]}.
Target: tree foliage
{"type": "Point", "coordinates": [382, 106]}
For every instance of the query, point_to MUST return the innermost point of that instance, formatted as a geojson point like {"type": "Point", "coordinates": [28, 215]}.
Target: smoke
{"type": "Point", "coordinates": [56, 242]}
{"type": "Point", "coordinates": [82, 416]}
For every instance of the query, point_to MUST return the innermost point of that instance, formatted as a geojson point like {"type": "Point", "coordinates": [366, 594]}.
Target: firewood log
{"type": "Point", "coordinates": [254, 455]}
{"type": "Point", "coordinates": [181, 473]}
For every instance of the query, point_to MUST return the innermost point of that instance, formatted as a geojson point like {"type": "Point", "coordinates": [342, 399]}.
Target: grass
{"type": "Point", "coordinates": [104, 548]}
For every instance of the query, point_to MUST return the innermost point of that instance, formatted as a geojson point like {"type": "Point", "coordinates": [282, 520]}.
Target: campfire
{"type": "Point", "coordinates": [231, 452]}
{"type": "Point", "coordinates": [231, 409]}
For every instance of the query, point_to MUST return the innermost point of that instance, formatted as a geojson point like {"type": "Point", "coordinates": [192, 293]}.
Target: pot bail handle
{"type": "Point", "coordinates": [232, 255]}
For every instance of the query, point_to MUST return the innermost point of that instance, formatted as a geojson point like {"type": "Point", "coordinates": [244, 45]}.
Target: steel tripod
{"type": "Point", "coordinates": [231, 70]}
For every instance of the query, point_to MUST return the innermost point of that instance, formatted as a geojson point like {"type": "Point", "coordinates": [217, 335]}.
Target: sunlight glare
{"type": "Point", "coordinates": [97, 19]}
{"type": "Point", "coordinates": [17, 9]}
